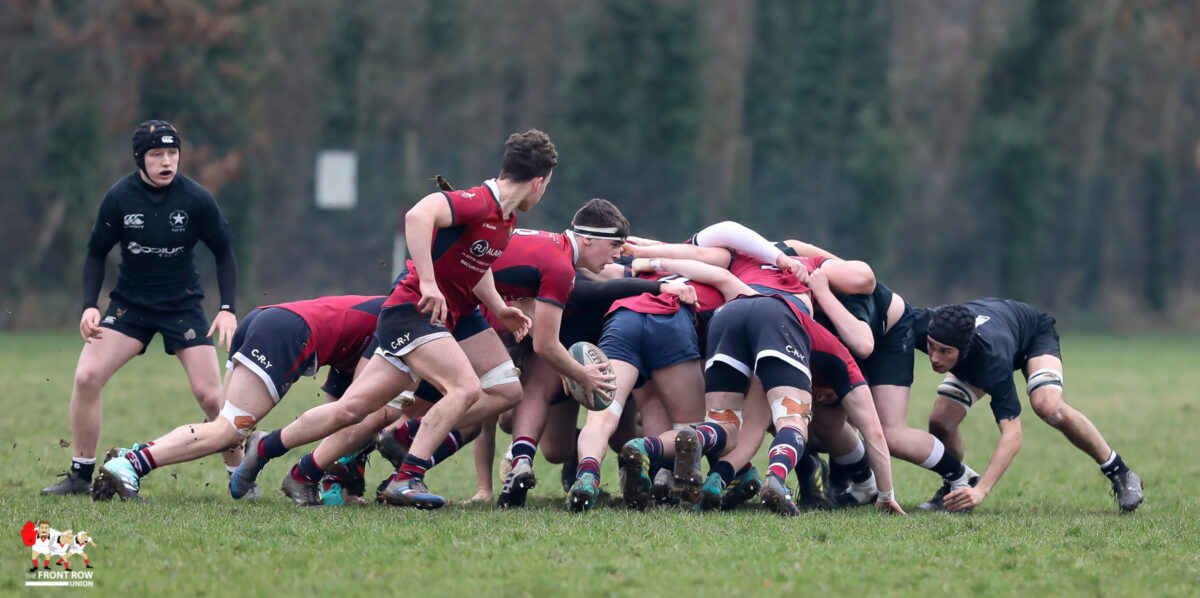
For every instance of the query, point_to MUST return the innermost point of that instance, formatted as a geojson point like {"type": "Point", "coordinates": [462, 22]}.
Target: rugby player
{"type": "Point", "coordinates": [978, 345]}
{"type": "Point", "coordinates": [157, 215]}
{"type": "Point", "coordinates": [877, 328]}
{"type": "Point", "coordinates": [453, 238]}
{"type": "Point", "coordinates": [274, 346]}
{"type": "Point", "coordinates": [652, 336]}
{"type": "Point", "coordinates": [537, 272]}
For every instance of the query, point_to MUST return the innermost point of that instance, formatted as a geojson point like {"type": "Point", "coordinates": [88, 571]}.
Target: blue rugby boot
{"type": "Point", "coordinates": [635, 483]}
{"type": "Point", "coordinates": [583, 493]}
{"type": "Point", "coordinates": [411, 492]}
{"type": "Point", "coordinates": [744, 487]}
{"type": "Point", "coordinates": [777, 497]}
{"type": "Point", "coordinates": [241, 481]}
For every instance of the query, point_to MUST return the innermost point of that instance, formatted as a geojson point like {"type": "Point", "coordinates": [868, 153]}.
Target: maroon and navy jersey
{"type": "Point", "coordinates": [463, 251]}
{"type": "Point", "coordinates": [708, 298]}
{"type": "Point", "coordinates": [831, 362]}
{"type": "Point", "coordinates": [340, 327]}
{"type": "Point", "coordinates": [751, 271]}
{"type": "Point", "coordinates": [536, 265]}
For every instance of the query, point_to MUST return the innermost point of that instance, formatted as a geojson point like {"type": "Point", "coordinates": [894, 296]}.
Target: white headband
{"type": "Point", "coordinates": [596, 232]}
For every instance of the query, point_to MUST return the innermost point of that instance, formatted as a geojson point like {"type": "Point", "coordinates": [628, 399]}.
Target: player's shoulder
{"type": "Point", "coordinates": [195, 190]}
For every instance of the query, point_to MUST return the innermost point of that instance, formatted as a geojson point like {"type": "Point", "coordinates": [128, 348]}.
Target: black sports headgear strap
{"type": "Point", "coordinates": [953, 325]}
{"type": "Point", "coordinates": [597, 232]}
{"type": "Point", "coordinates": [153, 134]}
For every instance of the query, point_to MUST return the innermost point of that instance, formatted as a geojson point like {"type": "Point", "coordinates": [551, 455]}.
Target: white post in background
{"type": "Point", "coordinates": [336, 180]}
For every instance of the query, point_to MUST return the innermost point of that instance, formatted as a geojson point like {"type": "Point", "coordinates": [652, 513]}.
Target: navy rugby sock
{"type": "Point", "coordinates": [413, 467]}
{"type": "Point", "coordinates": [83, 468]}
{"type": "Point", "coordinates": [712, 439]}
{"type": "Point", "coordinates": [307, 470]}
{"type": "Point", "coordinates": [786, 449]}
{"type": "Point", "coordinates": [523, 447]}
{"type": "Point", "coordinates": [272, 445]}
{"type": "Point", "coordinates": [1114, 466]}
{"type": "Point", "coordinates": [588, 465]}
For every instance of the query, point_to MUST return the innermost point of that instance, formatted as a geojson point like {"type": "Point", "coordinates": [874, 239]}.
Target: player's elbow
{"type": "Point", "coordinates": [862, 347]}
{"type": "Point", "coordinates": [856, 278]}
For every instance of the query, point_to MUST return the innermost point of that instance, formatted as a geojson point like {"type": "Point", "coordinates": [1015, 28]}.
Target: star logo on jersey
{"type": "Point", "coordinates": [178, 220]}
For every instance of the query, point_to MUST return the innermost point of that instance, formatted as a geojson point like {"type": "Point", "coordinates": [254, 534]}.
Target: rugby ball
{"type": "Point", "coordinates": [586, 354]}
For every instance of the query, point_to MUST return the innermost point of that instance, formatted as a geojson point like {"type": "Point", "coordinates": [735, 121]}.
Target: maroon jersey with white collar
{"type": "Point", "coordinates": [463, 251]}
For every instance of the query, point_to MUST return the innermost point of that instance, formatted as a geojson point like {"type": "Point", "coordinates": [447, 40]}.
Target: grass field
{"type": "Point", "coordinates": [1049, 528]}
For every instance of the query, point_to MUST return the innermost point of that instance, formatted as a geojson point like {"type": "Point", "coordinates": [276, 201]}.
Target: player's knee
{"type": "Point", "coordinates": [790, 409]}
{"type": "Point", "coordinates": [89, 379]}
{"type": "Point", "coordinates": [241, 422]}
{"type": "Point", "coordinates": [942, 427]}
{"type": "Point", "coordinates": [1049, 407]}
{"type": "Point", "coordinates": [554, 453]}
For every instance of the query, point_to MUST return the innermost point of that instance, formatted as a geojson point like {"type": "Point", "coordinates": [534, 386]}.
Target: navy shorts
{"type": "Point", "coordinates": [748, 330]}
{"type": "Point", "coordinates": [1044, 341]}
{"type": "Point", "coordinates": [791, 297]}
{"type": "Point", "coordinates": [891, 362]}
{"type": "Point", "coordinates": [466, 327]}
{"type": "Point", "coordinates": [649, 342]}
{"type": "Point", "coordinates": [180, 329]}
{"type": "Point", "coordinates": [275, 344]}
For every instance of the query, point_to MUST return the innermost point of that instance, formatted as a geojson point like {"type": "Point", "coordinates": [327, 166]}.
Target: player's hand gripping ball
{"type": "Point", "coordinates": [586, 354]}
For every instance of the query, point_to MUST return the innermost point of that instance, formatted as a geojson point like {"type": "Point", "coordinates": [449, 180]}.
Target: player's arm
{"type": "Point", "coordinates": [219, 240]}
{"type": "Point", "coordinates": [547, 321]}
{"type": "Point", "coordinates": [714, 276]}
{"type": "Point", "coordinates": [853, 332]}
{"type": "Point", "coordinates": [513, 318]}
{"type": "Point", "coordinates": [860, 411]}
{"type": "Point", "coordinates": [105, 234]}
{"type": "Point", "coordinates": [849, 277]}
{"type": "Point", "coordinates": [1006, 449]}
{"type": "Point", "coordinates": [716, 256]}
{"type": "Point", "coordinates": [420, 222]}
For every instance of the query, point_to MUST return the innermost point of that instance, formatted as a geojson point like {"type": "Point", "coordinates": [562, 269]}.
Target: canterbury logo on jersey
{"type": "Point", "coordinates": [134, 221]}
{"type": "Point", "coordinates": [137, 249]}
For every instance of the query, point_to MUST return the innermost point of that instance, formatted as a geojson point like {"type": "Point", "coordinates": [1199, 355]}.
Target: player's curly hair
{"type": "Point", "coordinates": [601, 213]}
{"type": "Point", "coordinates": [527, 156]}
{"type": "Point", "coordinates": [953, 325]}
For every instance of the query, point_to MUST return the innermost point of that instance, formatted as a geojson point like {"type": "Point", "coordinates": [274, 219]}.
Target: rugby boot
{"type": "Point", "coordinates": [711, 493]}
{"type": "Point", "coordinates": [516, 485]}
{"type": "Point", "coordinates": [583, 493]}
{"type": "Point", "coordinates": [937, 503]}
{"type": "Point", "coordinates": [411, 492]}
{"type": "Point", "coordinates": [663, 488]}
{"type": "Point", "coordinates": [814, 489]}
{"type": "Point", "coordinates": [241, 481]}
{"type": "Point", "coordinates": [390, 448]}
{"type": "Point", "coordinates": [568, 471]}
{"type": "Point", "coordinates": [857, 494]}
{"type": "Point", "coordinates": [777, 497]}
{"type": "Point", "coordinates": [635, 483]}
{"type": "Point", "coordinates": [72, 483]}
{"type": "Point", "coordinates": [117, 476]}
{"type": "Point", "coordinates": [744, 486]}
{"type": "Point", "coordinates": [688, 477]}
{"type": "Point", "coordinates": [1127, 487]}
{"type": "Point", "coordinates": [302, 492]}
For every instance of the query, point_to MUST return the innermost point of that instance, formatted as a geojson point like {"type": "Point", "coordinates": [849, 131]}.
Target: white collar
{"type": "Point", "coordinates": [574, 246]}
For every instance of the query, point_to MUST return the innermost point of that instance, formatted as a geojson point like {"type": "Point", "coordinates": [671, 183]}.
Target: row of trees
{"type": "Point", "coordinates": [1041, 149]}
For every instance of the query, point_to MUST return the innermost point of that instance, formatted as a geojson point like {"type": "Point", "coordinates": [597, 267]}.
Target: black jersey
{"type": "Point", "coordinates": [1007, 334]}
{"type": "Point", "coordinates": [157, 229]}
{"type": "Point", "coordinates": [870, 308]}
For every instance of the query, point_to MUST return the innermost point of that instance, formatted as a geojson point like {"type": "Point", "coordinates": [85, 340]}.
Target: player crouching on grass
{"type": "Point", "coordinates": [977, 345]}
{"type": "Point", "coordinates": [768, 337]}
{"type": "Point", "coordinates": [538, 268]}
{"type": "Point", "coordinates": [271, 350]}
{"type": "Point", "coordinates": [653, 337]}
{"type": "Point", "coordinates": [454, 238]}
